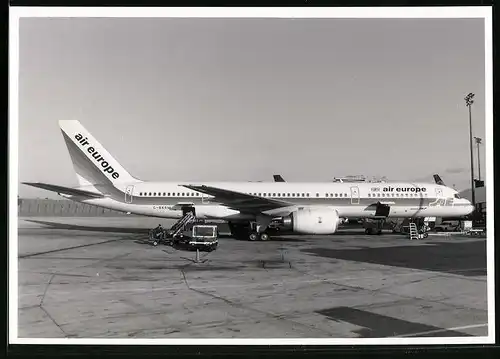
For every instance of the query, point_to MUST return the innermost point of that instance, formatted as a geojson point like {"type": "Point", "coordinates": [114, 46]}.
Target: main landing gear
{"type": "Point", "coordinates": [373, 226]}
{"type": "Point", "coordinates": [373, 231]}
{"type": "Point", "coordinates": [247, 232]}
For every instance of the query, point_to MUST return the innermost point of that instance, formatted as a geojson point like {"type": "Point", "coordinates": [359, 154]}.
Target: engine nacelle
{"type": "Point", "coordinates": [313, 221]}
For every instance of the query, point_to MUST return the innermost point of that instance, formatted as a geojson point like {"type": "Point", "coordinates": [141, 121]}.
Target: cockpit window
{"type": "Point", "coordinates": [457, 196]}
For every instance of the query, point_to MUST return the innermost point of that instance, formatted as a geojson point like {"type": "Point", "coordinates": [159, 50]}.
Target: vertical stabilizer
{"type": "Point", "coordinates": [92, 163]}
{"type": "Point", "coordinates": [438, 180]}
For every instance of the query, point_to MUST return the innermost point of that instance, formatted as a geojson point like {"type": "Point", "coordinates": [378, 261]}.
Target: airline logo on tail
{"type": "Point", "coordinates": [97, 156]}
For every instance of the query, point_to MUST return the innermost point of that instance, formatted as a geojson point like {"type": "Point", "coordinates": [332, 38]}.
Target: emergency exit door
{"type": "Point", "coordinates": [354, 195]}
{"type": "Point", "coordinates": [129, 194]}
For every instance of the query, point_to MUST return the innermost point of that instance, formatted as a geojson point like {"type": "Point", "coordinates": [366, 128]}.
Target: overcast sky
{"type": "Point", "coordinates": [242, 99]}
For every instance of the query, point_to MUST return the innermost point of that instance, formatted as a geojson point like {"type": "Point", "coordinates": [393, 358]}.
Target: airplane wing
{"type": "Point", "coordinates": [240, 201]}
{"type": "Point", "coordinates": [64, 190]}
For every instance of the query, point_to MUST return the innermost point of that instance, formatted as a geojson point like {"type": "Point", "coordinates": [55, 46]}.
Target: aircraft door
{"type": "Point", "coordinates": [204, 198]}
{"type": "Point", "coordinates": [354, 195]}
{"type": "Point", "coordinates": [129, 194]}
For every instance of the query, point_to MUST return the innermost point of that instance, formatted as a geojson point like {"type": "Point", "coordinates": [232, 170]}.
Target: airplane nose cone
{"type": "Point", "coordinates": [470, 209]}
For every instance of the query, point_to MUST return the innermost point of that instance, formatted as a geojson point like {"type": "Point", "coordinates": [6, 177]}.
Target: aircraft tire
{"type": "Point", "coordinates": [264, 237]}
{"type": "Point", "coordinates": [253, 236]}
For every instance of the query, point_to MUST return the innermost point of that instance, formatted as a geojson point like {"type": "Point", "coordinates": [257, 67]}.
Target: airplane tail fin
{"type": "Point", "coordinates": [278, 178]}
{"type": "Point", "coordinates": [438, 180]}
{"type": "Point", "coordinates": [92, 163]}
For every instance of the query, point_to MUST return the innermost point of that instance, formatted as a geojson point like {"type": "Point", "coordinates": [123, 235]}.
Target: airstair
{"type": "Point", "coordinates": [413, 231]}
{"type": "Point", "coordinates": [181, 225]}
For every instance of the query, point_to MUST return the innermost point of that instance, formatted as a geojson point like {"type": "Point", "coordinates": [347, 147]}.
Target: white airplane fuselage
{"type": "Point", "coordinates": [355, 200]}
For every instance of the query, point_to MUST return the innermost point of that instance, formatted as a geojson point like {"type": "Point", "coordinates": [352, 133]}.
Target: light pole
{"type": "Point", "coordinates": [478, 142]}
{"type": "Point", "coordinates": [469, 100]}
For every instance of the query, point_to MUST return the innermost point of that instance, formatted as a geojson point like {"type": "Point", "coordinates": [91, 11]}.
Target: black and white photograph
{"type": "Point", "coordinates": [251, 175]}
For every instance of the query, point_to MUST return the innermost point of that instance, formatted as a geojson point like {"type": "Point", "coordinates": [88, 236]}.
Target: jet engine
{"type": "Point", "coordinates": [312, 221]}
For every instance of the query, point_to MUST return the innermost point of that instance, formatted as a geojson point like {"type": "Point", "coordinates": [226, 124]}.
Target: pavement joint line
{"type": "Point", "coordinates": [383, 291]}
{"type": "Point", "coordinates": [259, 284]}
{"type": "Point", "coordinates": [67, 248]}
{"type": "Point", "coordinates": [53, 320]}
{"type": "Point", "coordinates": [442, 330]}
{"type": "Point", "coordinates": [46, 289]}
{"type": "Point", "coordinates": [241, 305]}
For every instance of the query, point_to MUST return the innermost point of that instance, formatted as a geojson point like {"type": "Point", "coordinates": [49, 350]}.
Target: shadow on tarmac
{"type": "Point", "coordinates": [381, 326]}
{"type": "Point", "coordinates": [463, 258]}
{"type": "Point", "coordinates": [75, 227]}
{"type": "Point", "coordinates": [131, 230]}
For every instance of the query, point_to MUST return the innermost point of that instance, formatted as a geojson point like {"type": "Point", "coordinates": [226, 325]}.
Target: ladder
{"type": "Point", "coordinates": [181, 224]}
{"type": "Point", "coordinates": [413, 231]}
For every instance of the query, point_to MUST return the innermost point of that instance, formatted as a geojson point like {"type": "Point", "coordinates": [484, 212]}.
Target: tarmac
{"type": "Point", "coordinates": [97, 278]}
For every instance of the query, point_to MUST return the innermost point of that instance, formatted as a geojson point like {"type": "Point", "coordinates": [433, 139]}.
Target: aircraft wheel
{"type": "Point", "coordinates": [368, 231]}
{"type": "Point", "coordinates": [155, 243]}
{"type": "Point", "coordinates": [264, 237]}
{"type": "Point", "coordinates": [253, 236]}
{"type": "Point", "coordinates": [379, 232]}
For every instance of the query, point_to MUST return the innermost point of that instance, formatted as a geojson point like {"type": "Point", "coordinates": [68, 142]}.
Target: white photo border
{"type": "Point", "coordinates": [484, 12]}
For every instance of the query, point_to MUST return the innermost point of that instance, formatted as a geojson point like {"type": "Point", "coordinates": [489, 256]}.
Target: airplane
{"type": "Point", "coordinates": [251, 209]}
{"type": "Point", "coordinates": [438, 180]}
{"type": "Point", "coordinates": [278, 178]}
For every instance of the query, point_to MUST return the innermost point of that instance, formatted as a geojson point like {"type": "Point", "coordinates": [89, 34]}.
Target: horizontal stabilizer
{"type": "Point", "coordinates": [65, 190]}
